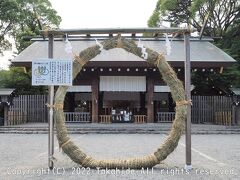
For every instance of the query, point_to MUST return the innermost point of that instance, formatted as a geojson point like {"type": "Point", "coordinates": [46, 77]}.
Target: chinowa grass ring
{"type": "Point", "coordinates": [168, 75]}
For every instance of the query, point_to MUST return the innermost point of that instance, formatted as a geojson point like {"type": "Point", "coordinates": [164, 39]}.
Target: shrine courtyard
{"type": "Point", "coordinates": [214, 156]}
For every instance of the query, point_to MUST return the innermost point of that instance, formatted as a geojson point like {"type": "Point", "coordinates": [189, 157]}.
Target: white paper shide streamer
{"type": "Point", "coordinates": [99, 44]}
{"type": "Point", "coordinates": [68, 46]}
{"type": "Point", "coordinates": [144, 52]}
{"type": "Point", "coordinates": [168, 45]}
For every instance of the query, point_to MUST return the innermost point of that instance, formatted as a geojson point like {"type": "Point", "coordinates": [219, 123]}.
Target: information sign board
{"type": "Point", "coordinates": [52, 72]}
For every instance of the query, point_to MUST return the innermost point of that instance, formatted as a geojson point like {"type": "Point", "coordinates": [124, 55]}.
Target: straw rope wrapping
{"type": "Point", "coordinates": [178, 95]}
{"type": "Point", "coordinates": [55, 106]}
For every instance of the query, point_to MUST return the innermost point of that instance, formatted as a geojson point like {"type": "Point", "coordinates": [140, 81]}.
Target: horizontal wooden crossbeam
{"type": "Point", "coordinates": [88, 31]}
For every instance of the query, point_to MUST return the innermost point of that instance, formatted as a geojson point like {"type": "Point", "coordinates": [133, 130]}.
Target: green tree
{"type": "Point", "coordinates": [221, 14]}
{"type": "Point", "coordinates": [223, 20]}
{"type": "Point", "coordinates": [20, 80]}
{"type": "Point", "coordinates": [230, 43]}
{"type": "Point", "coordinates": [166, 10]}
{"type": "Point", "coordinates": [37, 15]}
{"type": "Point", "coordinates": [8, 17]}
{"type": "Point", "coordinates": [19, 18]}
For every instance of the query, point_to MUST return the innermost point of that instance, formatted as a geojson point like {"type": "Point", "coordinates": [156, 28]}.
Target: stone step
{"type": "Point", "coordinates": [150, 128]}
{"type": "Point", "coordinates": [114, 131]}
{"type": "Point", "coordinates": [106, 132]}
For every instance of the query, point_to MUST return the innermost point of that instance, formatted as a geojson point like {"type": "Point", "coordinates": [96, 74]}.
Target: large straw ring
{"type": "Point", "coordinates": [178, 95]}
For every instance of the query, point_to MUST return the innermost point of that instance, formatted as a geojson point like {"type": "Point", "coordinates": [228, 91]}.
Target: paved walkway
{"type": "Point", "coordinates": [213, 157]}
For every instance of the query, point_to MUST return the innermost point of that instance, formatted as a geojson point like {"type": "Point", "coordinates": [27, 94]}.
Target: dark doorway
{"type": "Point", "coordinates": [123, 101]}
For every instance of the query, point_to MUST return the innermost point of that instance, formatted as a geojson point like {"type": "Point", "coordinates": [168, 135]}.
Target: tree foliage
{"type": "Point", "coordinates": [210, 83]}
{"type": "Point", "coordinates": [24, 17]}
{"type": "Point", "coordinates": [19, 18]}
{"type": "Point", "coordinates": [231, 44]}
{"type": "Point", "coordinates": [166, 10]}
{"type": "Point", "coordinates": [20, 80]}
{"type": "Point", "coordinates": [223, 20]}
{"type": "Point", "coordinates": [7, 19]}
{"type": "Point", "coordinates": [221, 14]}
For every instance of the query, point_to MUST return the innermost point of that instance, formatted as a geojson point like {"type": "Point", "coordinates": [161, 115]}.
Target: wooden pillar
{"type": "Point", "coordinates": [95, 100]}
{"type": "Point", "coordinates": [237, 115]}
{"type": "Point", "coordinates": [234, 122]}
{"type": "Point", "coordinates": [150, 107]}
{"type": "Point", "coordinates": [6, 108]}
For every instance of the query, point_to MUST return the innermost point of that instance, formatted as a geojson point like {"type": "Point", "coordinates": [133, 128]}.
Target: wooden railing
{"type": "Point", "coordinates": [139, 118]}
{"type": "Point", "coordinates": [77, 117]}
{"type": "Point", "coordinates": [165, 116]}
{"type": "Point", "coordinates": [105, 118]}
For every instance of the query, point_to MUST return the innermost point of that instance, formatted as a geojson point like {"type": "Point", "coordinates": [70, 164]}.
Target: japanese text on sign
{"type": "Point", "coordinates": [52, 72]}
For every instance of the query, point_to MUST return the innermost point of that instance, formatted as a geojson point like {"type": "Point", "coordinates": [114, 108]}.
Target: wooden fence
{"type": "Point", "coordinates": [27, 108]}
{"type": "Point", "coordinates": [212, 109]}
{"type": "Point", "coordinates": [77, 117]}
{"type": "Point", "coordinates": [205, 109]}
{"type": "Point", "coordinates": [16, 117]}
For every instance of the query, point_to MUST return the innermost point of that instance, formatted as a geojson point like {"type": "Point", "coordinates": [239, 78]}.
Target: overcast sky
{"type": "Point", "coordinates": [104, 13]}
{"type": "Point", "coordinates": [99, 14]}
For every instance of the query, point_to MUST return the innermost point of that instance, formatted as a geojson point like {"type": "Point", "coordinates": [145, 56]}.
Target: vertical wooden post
{"type": "Point", "coordinates": [234, 122]}
{"type": "Point", "coordinates": [150, 107]}
{"type": "Point", "coordinates": [237, 115]}
{"type": "Point", "coordinates": [50, 122]}
{"type": "Point", "coordinates": [235, 110]}
{"type": "Point", "coordinates": [188, 165]}
{"type": "Point", "coordinates": [6, 108]}
{"type": "Point", "coordinates": [95, 102]}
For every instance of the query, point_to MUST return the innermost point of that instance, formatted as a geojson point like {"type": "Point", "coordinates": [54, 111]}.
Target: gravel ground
{"type": "Point", "coordinates": [213, 157]}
